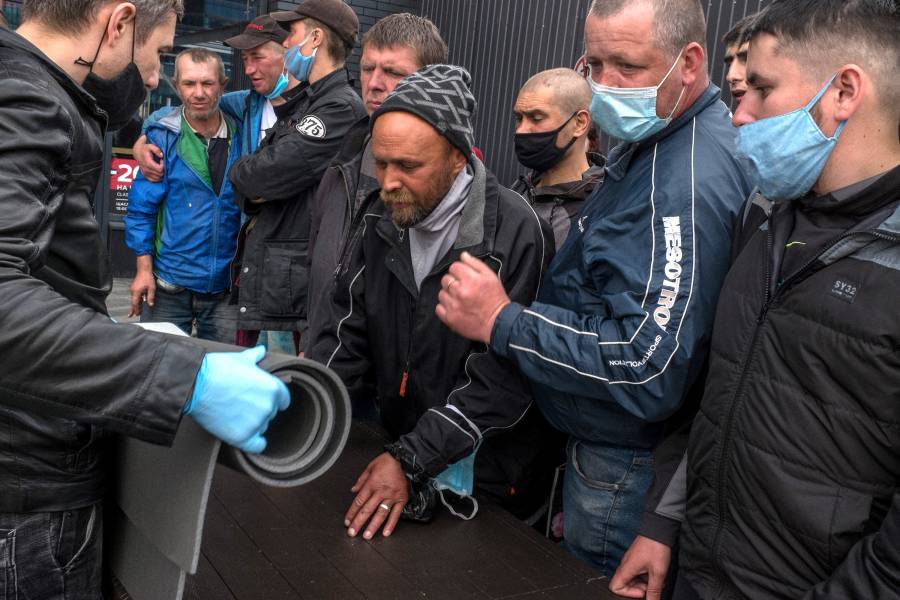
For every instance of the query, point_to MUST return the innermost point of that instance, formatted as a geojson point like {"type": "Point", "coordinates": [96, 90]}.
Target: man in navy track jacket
{"type": "Point", "coordinates": [620, 331]}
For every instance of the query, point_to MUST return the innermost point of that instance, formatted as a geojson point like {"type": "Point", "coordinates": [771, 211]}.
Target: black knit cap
{"type": "Point", "coordinates": [441, 95]}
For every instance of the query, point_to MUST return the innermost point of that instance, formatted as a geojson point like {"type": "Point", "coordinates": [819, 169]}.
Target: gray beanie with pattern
{"type": "Point", "coordinates": [441, 95]}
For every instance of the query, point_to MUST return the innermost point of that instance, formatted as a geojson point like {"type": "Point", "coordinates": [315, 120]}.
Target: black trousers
{"type": "Point", "coordinates": [52, 555]}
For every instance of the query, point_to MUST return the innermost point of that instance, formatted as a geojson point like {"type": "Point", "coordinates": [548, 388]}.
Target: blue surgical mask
{"type": "Point", "coordinates": [280, 86]}
{"type": "Point", "coordinates": [629, 113]}
{"type": "Point", "coordinates": [459, 478]}
{"type": "Point", "coordinates": [298, 65]}
{"type": "Point", "coordinates": [785, 155]}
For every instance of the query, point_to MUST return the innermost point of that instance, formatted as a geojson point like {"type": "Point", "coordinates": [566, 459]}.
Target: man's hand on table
{"type": "Point", "coordinates": [642, 572]}
{"type": "Point", "coordinates": [470, 299]}
{"type": "Point", "coordinates": [381, 493]}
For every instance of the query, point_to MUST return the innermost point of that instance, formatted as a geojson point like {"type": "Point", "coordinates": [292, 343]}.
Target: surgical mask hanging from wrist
{"type": "Point", "coordinates": [629, 114]}
{"type": "Point", "coordinates": [459, 478]}
{"type": "Point", "coordinates": [785, 155]}
{"type": "Point", "coordinates": [298, 65]}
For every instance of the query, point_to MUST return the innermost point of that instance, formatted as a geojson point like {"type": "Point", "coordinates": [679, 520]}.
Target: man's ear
{"type": "Point", "coordinates": [694, 60]}
{"type": "Point", "coordinates": [457, 160]}
{"type": "Point", "coordinates": [849, 82]}
{"type": "Point", "coordinates": [318, 38]}
{"type": "Point", "coordinates": [121, 24]}
{"type": "Point", "coordinates": [582, 122]}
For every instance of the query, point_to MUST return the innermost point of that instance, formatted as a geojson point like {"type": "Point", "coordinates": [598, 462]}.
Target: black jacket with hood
{"type": "Point", "coordinates": [560, 204]}
{"type": "Point", "coordinates": [437, 392]}
{"type": "Point", "coordinates": [341, 193]}
{"type": "Point", "coordinates": [790, 487]}
{"type": "Point", "coordinates": [67, 372]}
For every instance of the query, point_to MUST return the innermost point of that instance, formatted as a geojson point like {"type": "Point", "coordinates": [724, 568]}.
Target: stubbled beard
{"type": "Point", "coordinates": [202, 115]}
{"type": "Point", "coordinates": [417, 209]}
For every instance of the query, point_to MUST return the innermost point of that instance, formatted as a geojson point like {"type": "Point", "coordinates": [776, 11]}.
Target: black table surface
{"type": "Point", "coordinates": [271, 543]}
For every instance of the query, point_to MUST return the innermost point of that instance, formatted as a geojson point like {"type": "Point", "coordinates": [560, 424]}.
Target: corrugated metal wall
{"type": "Point", "coordinates": [503, 42]}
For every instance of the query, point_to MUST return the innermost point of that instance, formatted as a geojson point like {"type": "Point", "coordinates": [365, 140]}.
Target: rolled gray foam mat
{"type": "Point", "coordinates": [162, 492]}
{"type": "Point", "coordinates": [307, 438]}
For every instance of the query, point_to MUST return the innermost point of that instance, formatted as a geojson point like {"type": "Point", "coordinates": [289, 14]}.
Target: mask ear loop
{"type": "Point", "coordinates": [681, 95]}
{"type": "Point", "coordinates": [316, 49]}
{"type": "Point", "coordinates": [133, 35]}
{"type": "Point", "coordinates": [90, 64]}
{"type": "Point", "coordinates": [453, 511]}
{"type": "Point", "coordinates": [815, 101]}
{"type": "Point", "coordinates": [574, 139]}
{"type": "Point", "coordinates": [672, 68]}
{"type": "Point", "coordinates": [677, 102]}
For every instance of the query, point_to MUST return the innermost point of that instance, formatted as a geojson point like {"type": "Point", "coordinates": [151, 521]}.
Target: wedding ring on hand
{"type": "Point", "coordinates": [384, 506]}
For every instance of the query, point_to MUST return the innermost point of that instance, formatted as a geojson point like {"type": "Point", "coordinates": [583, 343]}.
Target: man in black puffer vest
{"type": "Point", "coordinates": [792, 472]}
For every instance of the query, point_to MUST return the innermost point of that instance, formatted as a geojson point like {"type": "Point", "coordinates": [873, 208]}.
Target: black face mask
{"type": "Point", "coordinates": [538, 151]}
{"type": "Point", "coordinates": [121, 96]}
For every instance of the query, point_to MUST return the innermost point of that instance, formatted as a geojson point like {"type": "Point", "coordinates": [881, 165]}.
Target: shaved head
{"type": "Point", "coordinates": [676, 23]}
{"type": "Point", "coordinates": [569, 90]}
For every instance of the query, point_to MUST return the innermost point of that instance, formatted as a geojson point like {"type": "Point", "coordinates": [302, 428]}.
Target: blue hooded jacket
{"type": "Point", "coordinates": [189, 229]}
{"type": "Point", "coordinates": [621, 328]}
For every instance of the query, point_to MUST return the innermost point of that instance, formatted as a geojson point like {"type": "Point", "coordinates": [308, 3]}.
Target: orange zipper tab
{"type": "Point", "coordinates": [403, 384]}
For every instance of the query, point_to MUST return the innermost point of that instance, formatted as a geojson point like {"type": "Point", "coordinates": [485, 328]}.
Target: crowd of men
{"type": "Point", "coordinates": [697, 330]}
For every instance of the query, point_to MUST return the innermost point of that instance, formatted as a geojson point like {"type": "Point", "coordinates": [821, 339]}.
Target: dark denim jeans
{"type": "Point", "coordinates": [52, 555]}
{"type": "Point", "coordinates": [603, 500]}
{"type": "Point", "coordinates": [214, 316]}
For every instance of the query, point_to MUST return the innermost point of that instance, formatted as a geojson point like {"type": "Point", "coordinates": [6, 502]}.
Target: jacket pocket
{"type": "Point", "coordinates": [606, 467]}
{"type": "Point", "coordinates": [81, 441]}
{"type": "Point", "coordinates": [848, 523]}
{"type": "Point", "coordinates": [284, 278]}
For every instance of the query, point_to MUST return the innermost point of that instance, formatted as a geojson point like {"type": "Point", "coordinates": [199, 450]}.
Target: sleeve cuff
{"type": "Point", "coordinates": [660, 529]}
{"type": "Point", "coordinates": [407, 459]}
{"type": "Point", "coordinates": [169, 386]}
{"type": "Point", "coordinates": [503, 328]}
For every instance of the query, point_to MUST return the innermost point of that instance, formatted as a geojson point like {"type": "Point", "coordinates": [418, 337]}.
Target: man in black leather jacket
{"type": "Point", "coordinates": [67, 371]}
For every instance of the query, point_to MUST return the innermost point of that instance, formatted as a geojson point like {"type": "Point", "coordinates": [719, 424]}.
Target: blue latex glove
{"type": "Point", "coordinates": [234, 399]}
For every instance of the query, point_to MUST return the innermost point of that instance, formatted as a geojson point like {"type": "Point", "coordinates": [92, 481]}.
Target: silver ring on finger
{"type": "Point", "coordinates": [385, 506]}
